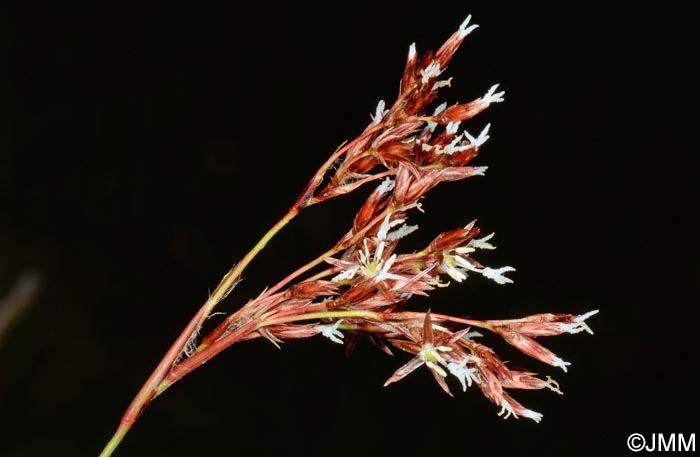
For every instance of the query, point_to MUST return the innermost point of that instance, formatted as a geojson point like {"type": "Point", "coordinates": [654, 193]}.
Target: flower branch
{"type": "Point", "coordinates": [361, 285]}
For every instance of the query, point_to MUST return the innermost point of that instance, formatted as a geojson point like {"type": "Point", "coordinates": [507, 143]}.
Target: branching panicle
{"type": "Point", "coordinates": [360, 286]}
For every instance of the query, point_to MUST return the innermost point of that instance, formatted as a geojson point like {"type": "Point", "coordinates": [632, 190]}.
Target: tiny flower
{"type": "Point", "coordinates": [372, 266]}
{"type": "Point", "coordinates": [550, 324]}
{"type": "Point", "coordinates": [512, 408]}
{"type": "Point", "coordinates": [427, 353]}
{"type": "Point", "coordinates": [430, 355]}
{"type": "Point", "coordinates": [530, 347]}
{"type": "Point", "coordinates": [331, 331]}
{"type": "Point", "coordinates": [526, 380]}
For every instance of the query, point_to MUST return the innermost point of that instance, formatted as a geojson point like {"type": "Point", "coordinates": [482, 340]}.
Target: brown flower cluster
{"type": "Point", "coordinates": [360, 286]}
{"type": "Point", "coordinates": [367, 281]}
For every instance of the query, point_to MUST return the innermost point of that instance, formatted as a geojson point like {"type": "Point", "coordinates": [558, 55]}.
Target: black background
{"type": "Point", "coordinates": [148, 147]}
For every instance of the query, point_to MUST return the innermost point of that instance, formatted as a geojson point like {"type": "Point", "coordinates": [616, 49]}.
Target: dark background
{"type": "Point", "coordinates": [147, 148]}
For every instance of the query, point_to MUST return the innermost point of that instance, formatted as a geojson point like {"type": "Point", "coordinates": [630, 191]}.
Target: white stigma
{"type": "Point", "coordinates": [465, 29]}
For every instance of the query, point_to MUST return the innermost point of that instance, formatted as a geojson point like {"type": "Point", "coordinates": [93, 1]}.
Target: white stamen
{"type": "Point", "coordinates": [579, 324]}
{"type": "Point", "coordinates": [471, 335]}
{"type": "Point", "coordinates": [440, 108]}
{"type": "Point", "coordinates": [455, 273]}
{"type": "Point", "coordinates": [464, 374]}
{"type": "Point", "coordinates": [497, 274]}
{"type": "Point", "coordinates": [386, 186]}
{"type": "Point", "coordinates": [388, 225]}
{"type": "Point", "coordinates": [331, 331]}
{"type": "Point", "coordinates": [552, 385]}
{"type": "Point", "coordinates": [479, 171]}
{"type": "Point", "coordinates": [492, 96]}
{"type": "Point", "coordinates": [507, 409]}
{"type": "Point", "coordinates": [482, 243]}
{"type": "Point", "coordinates": [464, 30]}
{"type": "Point", "coordinates": [412, 51]}
{"type": "Point", "coordinates": [437, 368]}
{"type": "Point", "coordinates": [432, 358]}
{"type": "Point", "coordinates": [557, 362]}
{"type": "Point", "coordinates": [452, 128]}
{"type": "Point", "coordinates": [534, 415]}
{"type": "Point", "coordinates": [384, 272]}
{"type": "Point", "coordinates": [380, 112]}
{"type": "Point", "coordinates": [378, 254]}
{"type": "Point", "coordinates": [481, 139]}
{"type": "Point", "coordinates": [345, 275]}
{"type": "Point", "coordinates": [462, 262]}
{"type": "Point", "coordinates": [454, 146]}
{"type": "Point", "coordinates": [401, 232]}
{"type": "Point", "coordinates": [442, 83]}
{"type": "Point", "coordinates": [430, 72]}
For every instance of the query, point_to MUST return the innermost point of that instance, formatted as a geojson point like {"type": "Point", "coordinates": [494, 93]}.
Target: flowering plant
{"type": "Point", "coordinates": [360, 286]}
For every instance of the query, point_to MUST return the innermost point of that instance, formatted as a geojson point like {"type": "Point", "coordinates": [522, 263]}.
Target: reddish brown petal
{"type": "Point", "coordinates": [427, 329]}
{"type": "Point", "coordinates": [369, 209]}
{"type": "Point", "coordinates": [529, 346]}
{"type": "Point", "coordinates": [408, 346]}
{"type": "Point", "coordinates": [490, 385]}
{"type": "Point", "coordinates": [397, 152]}
{"type": "Point", "coordinates": [525, 380]}
{"type": "Point", "coordinates": [409, 71]}
{"type": "Point", "coordinates": [432, 178]}
{"type": "Point", "coordinates": [404, 371]}
{"type": "Point", "coordinates": [313, 289]}
{"type": "Point", "coordinates": [454, 238]}
{"type": "Point", "coordinates": [441, 381]}
{"type": "Point", "coordinates": [461, 112]}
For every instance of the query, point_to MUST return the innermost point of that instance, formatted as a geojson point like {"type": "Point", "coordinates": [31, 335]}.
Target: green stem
{"type": "Point", "coordinates": [114, 442]}
{"type": "Point", "coordinates": [323, 315]}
